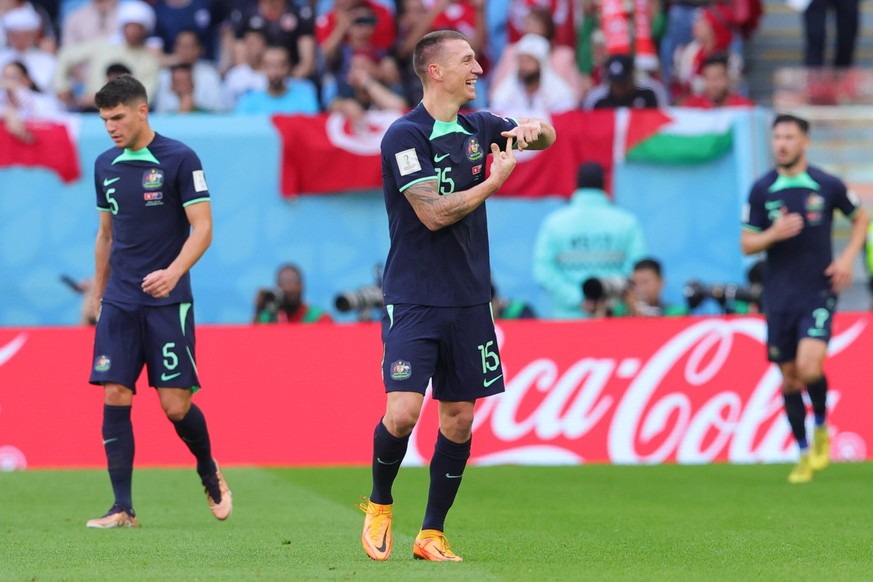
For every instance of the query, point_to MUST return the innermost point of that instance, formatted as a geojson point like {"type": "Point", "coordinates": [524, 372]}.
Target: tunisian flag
{"type": "Point", "coordinates": [324, 154]}
{"type": "Point", "coordinates": [51, 148]}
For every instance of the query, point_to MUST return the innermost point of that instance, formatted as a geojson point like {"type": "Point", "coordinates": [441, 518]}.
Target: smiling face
{"type": "Point", "coordinates": [457, 69]}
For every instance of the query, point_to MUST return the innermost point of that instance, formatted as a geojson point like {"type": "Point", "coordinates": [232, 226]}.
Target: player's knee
{"type": "Point", "coordinates": [792, 384]}
{"type": "Point", "coordinates": [457, 426]}
{"type": "Point", "coordinates": [808, 373]}
{"type": "Point", "coordinates": [400, 422]}
{"type": "Point", "coordinates": [176, 411]}
{"type": "Point", "coordinates": [117, 395]}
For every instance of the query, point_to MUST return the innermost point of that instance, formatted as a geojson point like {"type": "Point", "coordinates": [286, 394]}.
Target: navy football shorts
{"type": "Point", "coordinates": [161, 338]}
{"type": "Point", "coordinates": [454, 346]}
{"type": "Point", "coordinates": [785, 329]}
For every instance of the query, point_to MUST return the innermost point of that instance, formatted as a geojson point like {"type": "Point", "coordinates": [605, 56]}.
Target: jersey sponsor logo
{"type": "Point", "coordinates": [407, 162]}
{"type": "Point", "coordinates": [474, 150]}
{"type": "Point", "coordinates": [153, 179]}
{"type": "Point", "coordinates": [477, 170]}
{"type": "Point", "coordinates": [153, 198]}
{"type": "Point", "coordinates": [102, 363]}
{"type": "Point", "coordinates": [108, 181]}
{"type": "Point", "coordinates": [199, 181]}
{"type": "Point", "coordinates": [401, 370]}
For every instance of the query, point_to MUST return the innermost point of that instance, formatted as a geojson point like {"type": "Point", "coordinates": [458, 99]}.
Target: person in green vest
{"type": "Point", "coordinates": [643, 295]}
{"type": "Point", "coordinates": [284, 304]}
{"type": "Point", "coordinates": [504, 308]}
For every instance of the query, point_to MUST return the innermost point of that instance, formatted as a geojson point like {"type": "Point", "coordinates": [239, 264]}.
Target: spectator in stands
{"type": "Point", "coordinates": [504, 308]}
{"type": "Point", "coordinates": [284, 94]}
{"type": "Point", "coordinates": [22, 27]}
{"type": "Point", "coordinates": [621, 88]}
{"type": "Point", "coordinates": [712, 34]}
{"type": "Point", "coordinates": [21, 99]}
{"type": "Point", "coordinates": [359, 39]}
{"type": "Point", "coordinates": [366, 88]}
{"type": "Point", "coordinates": [643, 296]}
{"type": "Point", "coordinates": [815, 19]}
{"type": "Point", "coordinates": [716, 87]}
{"type": "Point", "coordinates": [136, 20]}
{"type": "Point", "coordinates": [202, 17]}
{"type": "Point", "coordinates": [465, 16]}
{"type": "Point", "coordinates": [333, 28]}
{"type": "Point", "coordinates": [284, 23]}
{"type": "Point", "coordinates": [93, 19]}
{"type": "Point", "coordinates": [562, 16]}
{"type": "Point", "coordinates": [680, 21]}
{"type": "Point", "coordinates": [562, 59]}
{"type": "Point", "coordinates": [46, 38]}
{"type": "Point", "coordinates": [410, 13]}
{"type": "Point", "coordinates": [206, 82]}
{"type": "Point", "coordinates": [285, 304]}
{"type": "Point", "coordinates": [248, 74]}
{"type": "Point", "coordinates": [587, 238]}
{"type": "Point", "coordinates": [534, 89]}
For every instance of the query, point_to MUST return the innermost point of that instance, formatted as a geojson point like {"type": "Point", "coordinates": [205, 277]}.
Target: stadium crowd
{"type": "Point", "coordinates": [307, 56]}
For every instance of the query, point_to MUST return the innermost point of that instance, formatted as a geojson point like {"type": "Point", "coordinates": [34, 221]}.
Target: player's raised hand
{"type": "Point", "coordinates": [502, 162]}
{"type": "Point", "coordinates": [525, 133]}
{"type": "Point", "coordinates": [787, 224]}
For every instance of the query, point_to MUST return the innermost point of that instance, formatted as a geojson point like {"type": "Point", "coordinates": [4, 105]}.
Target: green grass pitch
{"type": "Point", "coordinates": [599, 522]}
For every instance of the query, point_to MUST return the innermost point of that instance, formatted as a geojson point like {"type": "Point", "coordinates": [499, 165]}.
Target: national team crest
{"type": "Point", "coordinates": [401, 370]}
{"type": "Point", "coordinates": [102, 363]}
{"type": "Point", "coordinates": [474, 150]}
{"type": "Point", "coordinates": [814, 208]}
{"type": "Point", "coordinates": [153, 179]}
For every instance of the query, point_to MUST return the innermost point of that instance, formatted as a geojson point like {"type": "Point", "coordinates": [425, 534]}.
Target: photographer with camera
{"type": "Point", "coordinates": [285, 303]}
{"type": "Point", "coordinates": [589, 238]}
{"type": "Point", "coordinates": [643, 295]}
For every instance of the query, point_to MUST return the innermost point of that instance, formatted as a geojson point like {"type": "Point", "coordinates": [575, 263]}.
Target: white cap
{"type": "Point", "coordinates": [534, 45]}
{"type": "Point", "coordinates": [24, 18]}
{"type": "Point", "coordinates": [136, 12]}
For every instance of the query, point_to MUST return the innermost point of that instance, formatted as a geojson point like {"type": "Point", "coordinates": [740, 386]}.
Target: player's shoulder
{"type": "Point", "coordinates": [412, 125]}
{"type": "Point", "coordinates": [169, 146]}
{"type": "Point", "coordinates": [105, 159]}
{"type": "Point", "coordinates": [764, 182]}
{"type": "Point", "coordinates": [824, 178]}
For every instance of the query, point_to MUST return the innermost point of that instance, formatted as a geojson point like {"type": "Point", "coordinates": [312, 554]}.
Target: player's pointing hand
{"type": "Point", "coordinates": [503, 161]}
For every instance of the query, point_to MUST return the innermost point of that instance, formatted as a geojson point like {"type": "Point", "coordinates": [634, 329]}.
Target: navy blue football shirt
{"type": "Point", "coordinates": [795, 267]}
{"type": "Point", "coordinates": [449, 267]}
{"type": "Point", "coordinates": [147, 191]}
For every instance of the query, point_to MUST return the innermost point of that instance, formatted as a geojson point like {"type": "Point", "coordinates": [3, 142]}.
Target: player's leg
{"type": "Point", "coordinates": [408, 363]}
{"type": "Point", "coordinates": [795, 411]}
{"type": "Point", "coordinates": [811, 355]}
{"type": "Point", "coordinates": [172, 370]}
{"type": "Point", "coordinates": [469, 368]}
{"type": "Point", "coordinates": [117, 364]}
{"type": "Point", "coordinates": [447, 466]}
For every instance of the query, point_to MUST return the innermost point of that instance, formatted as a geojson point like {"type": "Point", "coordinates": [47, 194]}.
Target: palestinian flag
{"type": "Point", "coordinates": [675, 136]}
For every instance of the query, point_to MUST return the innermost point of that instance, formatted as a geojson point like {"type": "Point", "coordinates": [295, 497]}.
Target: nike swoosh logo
{"type": "Point", "coordinates": [381, 462]}
{"type": "Point", "coordinates": [166, 377]}
{"type": "Point", "coordinates": [450, 476]}
{"type": "Point", "coordinates": [384, 542]}
{"type": "Point", "coordinates": [440, 158]}
{"type": "Point", "coordinates": [107, 181]}
{"type": "Point", "coordinates": [107, 441]}
{"type": "Point", "coordinates": [487, 383]}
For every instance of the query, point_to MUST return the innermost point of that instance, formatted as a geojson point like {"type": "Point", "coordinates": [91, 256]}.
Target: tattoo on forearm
{"type": "Point", "coordinates": [431, 206]}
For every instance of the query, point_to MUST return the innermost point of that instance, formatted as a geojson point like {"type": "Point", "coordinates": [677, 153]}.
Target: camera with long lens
{"type": "Point", "coordinates": [364, 299]}
{"type": "Point", "coordinates": [606, 288]}
{"type": "Point", "coordinates": [725, 294]}
{"type": "Point", "coordinates": [269, 303]}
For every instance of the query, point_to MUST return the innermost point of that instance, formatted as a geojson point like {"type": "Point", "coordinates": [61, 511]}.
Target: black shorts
{"type": "Point", "coordinates": [785, 329]}
{"type": "Point", "coordinates": [131, 336]}
{"type": "Point", "coordinates": [454, 346]}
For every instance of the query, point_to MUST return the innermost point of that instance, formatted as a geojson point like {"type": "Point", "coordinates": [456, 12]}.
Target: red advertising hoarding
{"type": "Point", "coordinates": [687, 390]}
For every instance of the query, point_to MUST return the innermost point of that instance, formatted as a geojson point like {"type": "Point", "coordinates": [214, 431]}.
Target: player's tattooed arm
{"type": "Point", "coordinates": [438, 211]}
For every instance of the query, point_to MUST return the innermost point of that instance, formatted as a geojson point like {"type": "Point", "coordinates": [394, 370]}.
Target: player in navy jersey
{"type": "Point", "coordinates": [437, 324]}
{"type": "Point", "coordinates": [155, 223]}
{"type": "Point", "coordinates": [789, 215]}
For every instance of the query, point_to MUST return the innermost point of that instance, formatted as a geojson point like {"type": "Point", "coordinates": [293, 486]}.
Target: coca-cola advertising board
{"type": "Point", "coordinates": [684, 390]}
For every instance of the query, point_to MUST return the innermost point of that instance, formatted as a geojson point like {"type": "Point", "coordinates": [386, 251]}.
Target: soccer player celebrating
{"type": "Point", "coordinates": [155, 223]}
{"type": "Point", "coordinates": [789, 215]}
{"type": "Point", "coordinates": [437, 323]}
